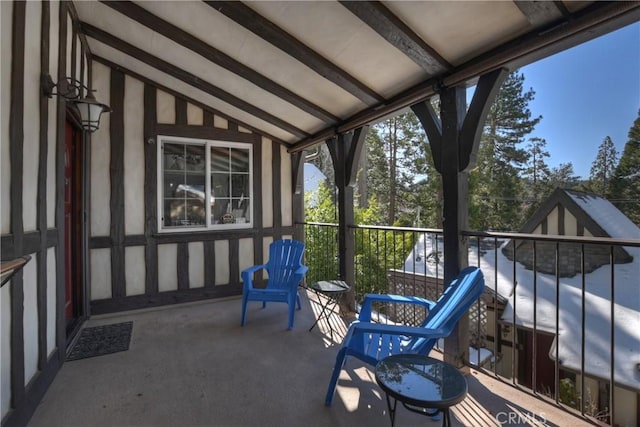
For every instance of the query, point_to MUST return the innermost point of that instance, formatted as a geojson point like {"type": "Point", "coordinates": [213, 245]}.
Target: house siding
{"type": "Point", "coordinates": [562, 222]}
{"type": "Point", "coordinates": [6, 15]}
{"type": "Point", "coordinates": [36, 37]}
{"type": "Point", "coordinates": [175, 267]}
{"type": "Point", "coordinates": [127, 263]}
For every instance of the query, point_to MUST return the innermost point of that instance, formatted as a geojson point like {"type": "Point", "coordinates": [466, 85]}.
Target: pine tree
{"type": "Point", "coordinates": [536, 175]}
{"type": "Point", "coordinates": [625, 183]}
{"type": "Point", "coordinates": [562, 176]}
{"type": "Point", "coordinates": [393, 147]}
{"type": "Point", "coordinates": [495, 186]}
{"type": "Point", "coordinates": [603, 167]}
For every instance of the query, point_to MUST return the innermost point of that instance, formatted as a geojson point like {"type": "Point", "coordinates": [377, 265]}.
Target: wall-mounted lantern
{"type": "Point", "coordinates": [89, 109]}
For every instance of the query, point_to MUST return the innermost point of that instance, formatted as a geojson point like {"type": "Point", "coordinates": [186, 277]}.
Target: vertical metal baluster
{"type": "Point", "coordinates": [557, 361]}
{"type": "Point", "coordinates": [415, 280]}
{"type": "Point", "coordinates": [371, 283]}
{"type": "Point", "coordinates": [514, 334]}
{"type": "Point", "coordinates": [384, 245]}
{"type": "Point", "coordinates": [324, 236]}
{"type": "Point", "coordinates": [497, 334]}
{"type": "Point", "coordinates": [612, 387]}
{"type": "Point", "coordinates": [361, 281]}
{"type": "Point", "coordinates": [583, 323]}
{"type": "Point", "coordinates": [479, 314]}
{"type": "Point", "coordinates": [534, 367]}
{"type": "Point", "coordinates": [336, 242]}
{"type": "Point", "coordinates": [437, 258]}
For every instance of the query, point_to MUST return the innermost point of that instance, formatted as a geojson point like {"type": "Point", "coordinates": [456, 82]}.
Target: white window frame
{"type": "Point", "coordinates": [208, 144]}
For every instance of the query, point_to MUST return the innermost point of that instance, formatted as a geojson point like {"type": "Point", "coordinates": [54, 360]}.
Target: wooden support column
{"type": "Point", "coordinates": [345, 150]}
{"type": "Point", "coordinates": [454, 138]}
{"type": "Point", "coordinates": [297, 171]}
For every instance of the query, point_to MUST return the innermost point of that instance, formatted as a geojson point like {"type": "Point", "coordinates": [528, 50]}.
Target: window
{"type": "Point", "coordinates": [189, 169]}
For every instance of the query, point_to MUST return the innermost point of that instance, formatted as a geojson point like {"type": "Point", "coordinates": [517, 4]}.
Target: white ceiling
{"type": "Point", "coordinates": [500, 33]}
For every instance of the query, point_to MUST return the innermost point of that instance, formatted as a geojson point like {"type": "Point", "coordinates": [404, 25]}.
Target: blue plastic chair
{"type": "Point", "coordinates": [285, 272]}
{"type": "Point", "coordinates": [372, 342]}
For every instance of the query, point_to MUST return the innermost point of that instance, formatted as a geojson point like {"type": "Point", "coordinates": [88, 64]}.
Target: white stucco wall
{"type": "Point", "coordinates": [267, 188]}
{"type": "Point", "coordinates": [165, 107]}
{"type": "Point", "coordinates": [221, 248]}
{"type": "Point", "coordinates": [78, 61]}
{"type": "Point", "coordinates": [286, 195]}
{"type": "Point", "coordinates": [245, 252]}
{"type": "Point", "coordinates": [625, 407]}
{"type": "Point", "coordinates": [30, 318]}
{"type": "Point", "coordinates": [552, 221]}
{"type": "Point", "coordinates": [570, 224]}
{"type": "Point", "coordinates": [5, 342]}
{"type": "Point", "coordinates": [167, 267]}
{"type": "Point", "coordinates": [69, 43]}
{"type": "Point", "coordinates": [196, 265]}
{"type": "Point", "coordinates": [194, 115]}
{"type": "Point", "coordinates": [100, 274]}
{"type": "Point", "coordinates": [100, 159]}
{"type": "Point", "coordinates": [135, 270]}
{"type": "Point", "coordinates": [51, 300]}
{"type": "Point", "coordinates": [6, 13]}
{"type": "Point", "coordinates": [52, 128]}
{"type": "Point", "coordinates": [134, 157]}
{"type": "Point", "coordinates": [220, 122]}
{"type": "Point", "coordinates": [266, 242]}
{"type": "Point", "coordinates": [31, 127]}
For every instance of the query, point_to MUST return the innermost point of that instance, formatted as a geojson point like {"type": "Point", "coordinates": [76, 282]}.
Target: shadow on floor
{"type": "Point", "coordinates": [193, 365]}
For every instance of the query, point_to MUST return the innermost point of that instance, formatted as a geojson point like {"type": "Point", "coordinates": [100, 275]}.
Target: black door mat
{"type": "Point", "coordinates": [100, 340]}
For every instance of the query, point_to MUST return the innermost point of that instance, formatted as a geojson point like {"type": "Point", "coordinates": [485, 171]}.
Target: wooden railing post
{"type": "Point", "coordinates": [454, 138]}
{"type": "Point", "coordinates": [345, 152]}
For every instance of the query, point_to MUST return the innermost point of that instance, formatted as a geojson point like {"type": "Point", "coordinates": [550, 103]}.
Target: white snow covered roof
{"type": "Point", "coordinates": [499, 275]}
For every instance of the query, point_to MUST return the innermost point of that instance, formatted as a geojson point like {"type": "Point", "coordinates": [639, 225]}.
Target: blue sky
{"type": "Point", "coordinates": [585, 94]}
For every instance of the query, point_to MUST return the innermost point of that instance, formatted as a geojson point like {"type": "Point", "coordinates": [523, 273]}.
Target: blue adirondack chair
{"type": "Point", "coordinates": [285, 271]}
{"type": "Point", "coordinates": [372, 342]}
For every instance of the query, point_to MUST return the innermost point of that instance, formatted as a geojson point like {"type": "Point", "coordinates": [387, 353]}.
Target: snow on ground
{"type": "Point", "coordinates": [536, 294]}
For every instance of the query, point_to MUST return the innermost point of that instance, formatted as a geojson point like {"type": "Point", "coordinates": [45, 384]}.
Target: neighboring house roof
{"type": "Point", "coordinates": [499, 274]}
{"type": "Point", "coordinates": [313, 176]}
{"type": "Point", "coordinates": [591, 216]}
{"type": "Point", "coordinates": [604, 213]}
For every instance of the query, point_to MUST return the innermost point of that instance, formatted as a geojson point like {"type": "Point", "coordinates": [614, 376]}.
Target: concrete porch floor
{"type": "Point", "coordinates": [193, 365]}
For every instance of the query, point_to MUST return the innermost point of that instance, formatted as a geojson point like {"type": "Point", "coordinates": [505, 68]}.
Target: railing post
{"type": "Point", "coordinates": [345, 152]}
{"type": "Point", "coordinates": [454, 138]}
{"type": "Point", "coordinates": [455, 207]}
{"type": "Point", "coordinates": [297, 177]}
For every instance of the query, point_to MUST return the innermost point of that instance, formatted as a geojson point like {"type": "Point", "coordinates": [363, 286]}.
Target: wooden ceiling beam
{"type": "Point", "coordinates": [189, 78]}
{"type": "Point", "coordinates": [207, 108]}
{"type": "Point", "coordinates": [183, 38]}
{"type": "Point", "coordinates": [539, 12]}
{"type": "Point", "coordinates": [562, 8]}
{"type": "Point", "coordinates": [397, 33]}
{"type": "Point", "coordinates": [593, 21]}
{"type": "Point", "coordinates": [270, 32]}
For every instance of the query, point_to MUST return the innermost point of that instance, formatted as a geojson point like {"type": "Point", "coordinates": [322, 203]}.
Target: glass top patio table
{"type": "Point", "coordinates": [421, 383]}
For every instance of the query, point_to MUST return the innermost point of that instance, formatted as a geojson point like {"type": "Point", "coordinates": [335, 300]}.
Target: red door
{"type": "Point", "coordinates": [72, 223]}
{"type": "Point", "coordinates": [544, 365]}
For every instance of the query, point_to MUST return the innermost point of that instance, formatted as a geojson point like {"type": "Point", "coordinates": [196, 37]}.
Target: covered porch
{"type": "Point", "coordinates": [193, 364]}
{"type": "Point", "coordinates": [198, 168]}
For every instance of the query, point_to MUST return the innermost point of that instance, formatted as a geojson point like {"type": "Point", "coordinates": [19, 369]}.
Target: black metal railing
{"type": "Point", "coordinates": [552, 313]}
{"type": "Point", "coordinates": [563, 317]}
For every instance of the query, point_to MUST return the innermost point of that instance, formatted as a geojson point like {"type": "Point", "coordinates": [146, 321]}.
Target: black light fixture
{"type": "Point", "coordinates": [89, 109]}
